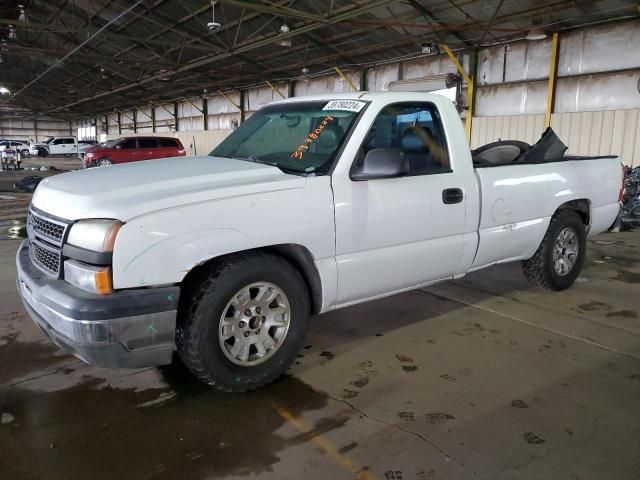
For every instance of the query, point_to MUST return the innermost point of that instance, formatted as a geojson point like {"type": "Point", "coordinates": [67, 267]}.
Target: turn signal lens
{"type": "Point", "coordinates": [88, 278]}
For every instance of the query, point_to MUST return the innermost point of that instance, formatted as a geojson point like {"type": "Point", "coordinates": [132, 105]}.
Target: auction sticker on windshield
{"type": "Point", "coordinates": [346, 105]}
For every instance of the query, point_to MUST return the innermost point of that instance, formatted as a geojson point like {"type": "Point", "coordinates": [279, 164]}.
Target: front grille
{"type": "Point", "coordinates": [50, 229]}
{"type": "Point", "coordinates": [45, 257]}
{"type": "Point", "coordinates": [46, 237]}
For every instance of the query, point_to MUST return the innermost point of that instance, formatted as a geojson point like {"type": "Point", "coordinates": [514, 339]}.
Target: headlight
{"type": "Point", "coordinates": [87, 277]}
{"type": "Point", "coordinates": [88, 155]}
{"type": "Point", "coordinates": [95, 235]}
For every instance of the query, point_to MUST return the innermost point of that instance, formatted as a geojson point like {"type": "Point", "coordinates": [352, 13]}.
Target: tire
{"type": "Point", "coordinates": [43, 152]}
{"type": "Point", "coordinates": [207, 309]}
{"type": "Point", "coordinates": [25, 153]}
{"type": "Point", "coordinates": [104, 162]}
{"type": "Point", "coordinates": [542, 270]}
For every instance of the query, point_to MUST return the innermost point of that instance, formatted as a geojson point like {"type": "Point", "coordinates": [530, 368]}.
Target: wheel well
{"type": "Point", "coordinates": [295, 254]}
{"type": "Point", "coordinates": [582, 207]}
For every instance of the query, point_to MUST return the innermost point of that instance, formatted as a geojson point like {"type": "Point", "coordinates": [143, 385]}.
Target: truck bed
{"type": "Point", "coordinates": [518, 200]}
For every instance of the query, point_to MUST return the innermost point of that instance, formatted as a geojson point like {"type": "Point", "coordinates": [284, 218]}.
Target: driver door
{"type": "Point", "coordinates": [393, 234]}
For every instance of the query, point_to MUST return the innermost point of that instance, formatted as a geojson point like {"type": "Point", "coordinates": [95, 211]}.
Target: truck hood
{"type": "Point", "coordinates": [126, 191]}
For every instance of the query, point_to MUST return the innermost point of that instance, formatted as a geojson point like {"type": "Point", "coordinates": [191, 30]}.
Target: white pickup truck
{"type": "Point", "coordinates": [55, 146]}
{"type": "Point", "coordinates": [313, 204]}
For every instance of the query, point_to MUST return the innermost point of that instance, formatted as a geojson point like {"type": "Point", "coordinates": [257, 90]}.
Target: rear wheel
{"type": "Point", "coordinates": [25, 153]}
{"type": "Point", "coordinates": [243, 321]}
{"type": "Point", "coordinates": [559, 259]}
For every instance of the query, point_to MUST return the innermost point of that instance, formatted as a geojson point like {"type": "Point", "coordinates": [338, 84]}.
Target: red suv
{"type": "Point", "coordinates": [131, 149]}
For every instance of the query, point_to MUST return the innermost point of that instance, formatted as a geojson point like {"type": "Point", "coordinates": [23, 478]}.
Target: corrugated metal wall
{"type": "Point", "coordinates": [597, 97]}
{"type": "Point", "coordinates": [615, 132]}
{"type": "Point", "coordinates": [22, 129]}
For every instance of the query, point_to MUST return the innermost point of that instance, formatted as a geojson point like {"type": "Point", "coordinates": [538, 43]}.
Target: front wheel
{"type": "Point", "coordinates": [559, 258]}
{"type": "Point", "coordinates": [242, 321]}
{"type": "Point", "coordinates": [25, 153]}
{"type": "Point", "coordinates": [104, 162]}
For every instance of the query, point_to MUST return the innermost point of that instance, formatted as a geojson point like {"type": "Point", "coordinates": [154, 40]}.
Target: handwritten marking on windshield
{"type": "Point", "coordinates": [304, 146]}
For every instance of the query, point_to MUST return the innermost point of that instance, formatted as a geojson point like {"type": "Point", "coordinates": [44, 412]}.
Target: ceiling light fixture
{"type": "Point", "coordinates": [213, 26]}
{"type": "Point", "coordinates": [536, 34]}
{"type": "Point", "coordinates": [4, 91]}
{"type": "Point", "coordinates": [286, 41]}
{"type": "Point", "coordinates": [22, 16]}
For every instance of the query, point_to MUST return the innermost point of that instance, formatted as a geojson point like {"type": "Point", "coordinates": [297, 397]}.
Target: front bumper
{"type": "Point", "coordinates": [127, 329]}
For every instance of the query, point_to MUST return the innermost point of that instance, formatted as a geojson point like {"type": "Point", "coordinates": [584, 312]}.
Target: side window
{"type": "Point", "coordinates": [167, 143]}
{"type": "Point", "coordinates": [58, 141]}
{"type": "Point", "coordinates": [147, 143]}
{"type": "Point", "coordinates": [414, 129]}
{"type": "Point", "coordinates": [69, 141]}
{"type": "Point", "coordinates": [128, 144]}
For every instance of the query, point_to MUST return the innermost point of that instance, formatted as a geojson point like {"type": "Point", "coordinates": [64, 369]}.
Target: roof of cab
{"type": "Point", "coordinates": [363, 95]}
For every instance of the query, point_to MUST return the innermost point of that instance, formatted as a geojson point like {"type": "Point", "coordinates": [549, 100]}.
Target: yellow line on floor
{"type": "Point", "coordinates": [325, 445]}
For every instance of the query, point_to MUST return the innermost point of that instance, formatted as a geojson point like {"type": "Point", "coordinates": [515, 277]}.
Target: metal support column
{"type": "Point", "coordinates": [241, 106]}
{"type": "Point", "coordinates": [291, 89]}
{"type": "Point", "coordinates": [470, 92]}
{"type": "Point", "coordinates": [119, 124]}
{"type": "Point", "coordinates": [153, 119]}
{"type": "Point", "coordinates": [363, 79]}
{"type": "Point", "coordinates": [35, 128]}
{"type": "Point", "coordinates": [135, 120]}
{"type": "Point", "coordinates": [175, 116]}
{"type": "Point", "coordinates": [205, 113]}
{"type": "Point", "coordinates": [273, 87]}
{"type": "Point", "coordinates": [553, 74]}
{"type": "Point", "coordinates": [345, 78]}
{"type": "Point", "coordinates": [106, 124]}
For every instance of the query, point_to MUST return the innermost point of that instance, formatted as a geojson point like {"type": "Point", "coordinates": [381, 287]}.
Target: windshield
{"type": "Point", "coordinates": [49, 140]}
{"type": "Point", "coordinates": [109, 143]}
{"type": "Point", "coordinates": [299, 137]}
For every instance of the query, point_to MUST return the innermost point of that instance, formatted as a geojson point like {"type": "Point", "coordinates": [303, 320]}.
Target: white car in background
{"type": "Point", "coordinates": [22, 147]}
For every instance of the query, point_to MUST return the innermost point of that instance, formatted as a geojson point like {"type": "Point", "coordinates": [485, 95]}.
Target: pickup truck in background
{"type": "Point", "coordinates": [55, 146]}
{"type": "Point", "coordinates": [312, 204]}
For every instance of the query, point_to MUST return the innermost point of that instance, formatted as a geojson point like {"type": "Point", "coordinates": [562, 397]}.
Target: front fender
{"type": "Point", "coordinates": [162, 247]}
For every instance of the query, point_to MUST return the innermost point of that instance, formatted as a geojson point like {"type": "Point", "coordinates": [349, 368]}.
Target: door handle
{"type": "Point", "coordinates": [452, 195]}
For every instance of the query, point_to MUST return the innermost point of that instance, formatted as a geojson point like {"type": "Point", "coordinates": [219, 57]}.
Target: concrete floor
{"type": "Point", "coordinates": [479, 378]}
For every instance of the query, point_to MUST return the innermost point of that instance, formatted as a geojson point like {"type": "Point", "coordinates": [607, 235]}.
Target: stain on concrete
{"type": "Point", "coordinates": [404, 359]}
{"type": "Point", "coordinates": [409, 368]}
{"type": "Point", "coordinates": [438, 418]}
{"type": "Point", "coordinates": [13, 229]}
{"type": "Point", "coordinates": [519, 404]}
{"type": "Point", "coordinates": [407, 416]}
{"type": "Point", "coordinates": [532, 438]}
{"type": "Point", "coordinates": [328, 355]}
{"type": "Point", "coordinates": [628, 277]}
{"type": "Point", "coordinates": [27, 358]}
{"type": "Point", "coordinates": [593, 306]}
{"type": "Point", "coordinates": [623, 314]}
{"type": "Point", "coordinates": [448, 378]}
{"type": "Point", "coordinates": [393, 475]}
{"type": "Point", "coordinates": [361, 382]}
{"type": "Point", "coordinates": [347, 448]}
{"type": "Point", "coordinates": [346, 393]}
{"type": "Point", "coordinates": [90, 423]}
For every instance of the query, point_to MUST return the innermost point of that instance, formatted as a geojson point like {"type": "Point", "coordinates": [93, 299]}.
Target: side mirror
{"type": "Point", "coordinates": [381, 163]}
{"type": "Point", "coordinates": [118, 147]}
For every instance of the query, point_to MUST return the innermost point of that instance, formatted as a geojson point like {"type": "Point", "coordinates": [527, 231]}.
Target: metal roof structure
{"type": "Point", "coordinates": [73, 58]}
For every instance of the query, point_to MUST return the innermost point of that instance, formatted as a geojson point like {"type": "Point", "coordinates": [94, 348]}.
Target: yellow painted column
{"type": "Point", "coordinates": [470, 92]}
{"type": "Point", "coordinates": [553, 72]}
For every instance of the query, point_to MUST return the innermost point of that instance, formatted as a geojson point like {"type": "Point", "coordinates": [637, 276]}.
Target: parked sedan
{"type": "Point", "coordinates": [132, 149]}
{"type": "Point", "coordinates": [15, 145]}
